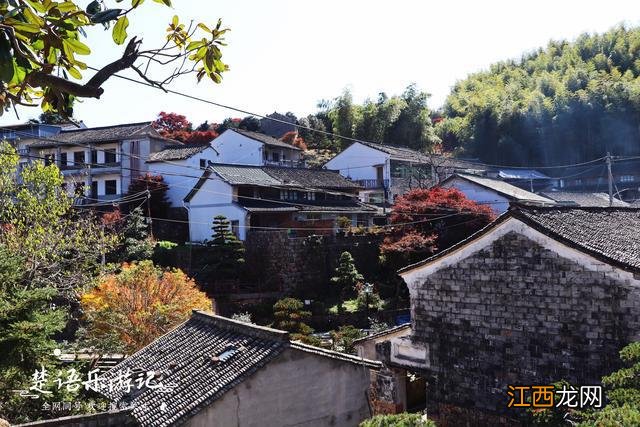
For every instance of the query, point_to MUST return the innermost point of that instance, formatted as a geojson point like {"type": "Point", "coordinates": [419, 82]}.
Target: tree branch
{"type": "Point", "coordinates": [91, 89]}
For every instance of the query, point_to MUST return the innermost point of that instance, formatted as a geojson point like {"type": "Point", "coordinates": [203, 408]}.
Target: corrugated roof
{"type": "Point", "coordinates": [177, 152]}
{"type": "Point", "coordinates": [200, 360]}
{"type": "Point", "coordinates": [583, 199]}
{"type": "Point", "coordinates": [504, 188]}
{"type": "Point", "coordinates": [527, 174]}
{"type": "Point", "coordinates": [265, 139]}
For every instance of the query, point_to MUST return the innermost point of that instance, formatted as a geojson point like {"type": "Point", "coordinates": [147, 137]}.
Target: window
{"type": "Point", "coordinates": [94, 157]}
{"type": "Point", "coordinates": [376, 197]}
{"type": "Point", "coordinates": [110, 156]}
{"type": "Point", "coordinates": [94, 189]}
{"type": "Point", "coordinates": [311, 195]}
{"type": "Point", "coordinates": [203, 163]}
{"type": "Point", "coordinates": [288, 195]}
{"type": "Point", "coordinates": [49, 159]}
{"type": "Point", "coordinates": [627, 178]}
{"type": "Point", "coordinates": [275, 157]}
{"type": "Point", "coordinates": [78, 158]}
{"type": "Point", "coordinates": [235, 227]}
{"type": "Point", "coordinates": [63, 159]}
{"type": "Point", "coordinates": [111, 187]}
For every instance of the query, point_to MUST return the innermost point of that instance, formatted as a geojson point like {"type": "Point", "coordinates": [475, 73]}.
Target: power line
{"type": "Point", "coordinates": [243, 111]}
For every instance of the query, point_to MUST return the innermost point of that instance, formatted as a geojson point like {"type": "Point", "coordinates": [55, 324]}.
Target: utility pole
{"type": "Point", "coordinates": [610, 179]}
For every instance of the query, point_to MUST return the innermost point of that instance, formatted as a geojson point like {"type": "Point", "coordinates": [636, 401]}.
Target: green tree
{"type": "Point", "coordinates": [40, 42]}
{"type": "Point", "coordinates": [289, 316]}
{"type": "Point", "coordinates": [48, 253]}
{"type": "Point", "coordinates": [226, 251]}
{"type": "Point", "coordinates": [623, 392]}
{"type": "Point", "coordinates": [137, 245]}
{"type": "Point", "coordinates": [565, 103]}
{"type": "Point", "coordinates": [344, 337]}
{"type": "Point", "coordinates": [347, 278]}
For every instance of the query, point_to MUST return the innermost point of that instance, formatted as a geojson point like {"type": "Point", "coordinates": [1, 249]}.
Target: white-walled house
{"type": "Point", "coordinates": [386, 171]}
{"type": "Point", "coordinates": [99, 163]}
{"type": "Point", "coordinates": [243, 147]}
{"type": "Point", "coordinates": [273, 198]}
{"type": "Point", "coordinates": [493, 192]}
{"type": "Point", "coordinates": [181, 167]}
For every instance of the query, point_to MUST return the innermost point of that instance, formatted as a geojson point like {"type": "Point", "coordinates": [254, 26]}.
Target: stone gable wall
{"type": "Point", "coordinates": [517, 313]}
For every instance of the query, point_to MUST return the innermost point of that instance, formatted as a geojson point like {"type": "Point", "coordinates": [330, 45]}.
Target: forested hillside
{"type": "Point", "coordinates": [569, 102]}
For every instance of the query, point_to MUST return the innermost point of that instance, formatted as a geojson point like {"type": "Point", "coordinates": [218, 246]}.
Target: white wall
{"type": "Point", "coordinates": [214, 198]}
{"type": "Point", "coordinates": [296, 389]}
{"type": "Point", "coordinates": [181, 175]}
{"type": "Point", "coordinates": [234, 148]}
{"type": "Point", "coordinates": [358, 161]}
{"type": "Point", "coordinates": [480, 194]}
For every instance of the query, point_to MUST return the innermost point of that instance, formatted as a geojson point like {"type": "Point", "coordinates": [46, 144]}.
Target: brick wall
{"type": "Point", "coordinates": [517, 313]}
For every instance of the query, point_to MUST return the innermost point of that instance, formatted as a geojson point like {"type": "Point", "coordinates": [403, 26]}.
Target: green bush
{"type": "Point", "coordinates": [164, 253]}
{"type": "Point", "coordinates": [398, 420]}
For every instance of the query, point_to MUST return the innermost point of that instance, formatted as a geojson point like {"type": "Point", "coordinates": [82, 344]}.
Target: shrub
{"type": "Point", "coordinates": [398, 420]}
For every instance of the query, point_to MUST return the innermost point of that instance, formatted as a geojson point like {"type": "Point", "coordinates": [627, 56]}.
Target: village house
{"type": "Point", "coordinates": [539, 295]}
{"type": "Point", "coordinates": [496, 193]}
{"type": "Point", "coordinates": [593, 178]}
{"type": "Point", "coordinates": [98, 163]}
{"type": "Point", "coordinates": [243, 147]}
{"type": "Point", "coordinates": [181, 167]}
{"type": "Point", "coordinates": [273, 197]}
{"type": "Point", "coordinates": [386, 171]}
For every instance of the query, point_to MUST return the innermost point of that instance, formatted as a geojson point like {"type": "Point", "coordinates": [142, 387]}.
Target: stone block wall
{"type": "Point", "coordinates": [517, 313]}
{"type": "Point", "coordinates": [304, 265]}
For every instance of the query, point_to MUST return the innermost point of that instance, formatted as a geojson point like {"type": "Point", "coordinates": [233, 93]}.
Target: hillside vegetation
{"type": "Point", "coordinates": [569, 102]}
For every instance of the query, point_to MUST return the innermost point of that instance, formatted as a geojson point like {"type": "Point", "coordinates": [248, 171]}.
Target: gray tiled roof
{"type": "Point", "coordinates": [183, 358]}
{"type": "Point", "coordinates": [383, 333]}
{"type": "Point", "coordinates": [609, 234]}
{"type": "Point", "coordinates": [509, 191]}
{"type": "Point", "coordinates": [310, 178]}
{"type": "Point", "coordinates": [265, 139]}
{"type": "Point", "coordinates": [177, 152]}
{"type": "Point", "coordinates": [102, 134]}
{"type": "Point", "coordinates": [352, 206]}
{"type": "Point", "coordinates": [583, 199]}
{"type": "Point", "coordinates": [245, 175]}
{"type": "Point", "coordinates": [400, 153]}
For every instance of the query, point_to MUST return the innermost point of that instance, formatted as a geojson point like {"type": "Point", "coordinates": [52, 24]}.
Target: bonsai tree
{"type": "Point", "coordinates": [347, 278]}
{"type": "Point", "coordinates": [289, 316]}
{"type": "Point", "coordinates": [344, 337]}
{"type": "Point", "coordinates": [226, 254]}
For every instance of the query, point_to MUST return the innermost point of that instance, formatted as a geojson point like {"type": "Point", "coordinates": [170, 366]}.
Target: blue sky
{"type": "Point", "coordinates": [287, 55]}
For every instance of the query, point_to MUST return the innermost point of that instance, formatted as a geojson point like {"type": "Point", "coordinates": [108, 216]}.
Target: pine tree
{"type": "Point", "coordinates": [227, 251]}
{"type": "Point", "coordinates": [137, 244]}
{"type": "Point", "coordinates": [289, 316]}
{"type": "Point", "coordinates": [347, 276]}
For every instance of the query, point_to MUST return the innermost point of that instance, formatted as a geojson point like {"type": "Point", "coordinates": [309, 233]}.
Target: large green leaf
{"type": "Point", "coordinates": [78, 47]}
{"type": "Point", "coordinates": [120, 30]}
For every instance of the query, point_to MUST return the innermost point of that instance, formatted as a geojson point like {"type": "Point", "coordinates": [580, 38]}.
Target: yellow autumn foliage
{"type": "Point", "coordinates": [142, 302]}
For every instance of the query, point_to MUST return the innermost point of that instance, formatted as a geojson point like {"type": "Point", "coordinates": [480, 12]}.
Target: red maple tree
{"type": "Point", "coordinates": [429, 220]}
{"type": "Point", "coordinates": [176, 126]}
{"type": "Point", "coordinates": [294, 139]}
